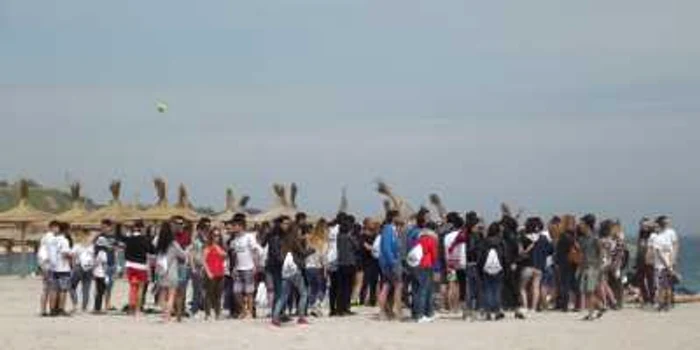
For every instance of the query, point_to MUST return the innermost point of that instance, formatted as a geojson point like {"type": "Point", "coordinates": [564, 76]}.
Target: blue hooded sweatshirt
{"type": "Point", "coordinates": [389, 248]}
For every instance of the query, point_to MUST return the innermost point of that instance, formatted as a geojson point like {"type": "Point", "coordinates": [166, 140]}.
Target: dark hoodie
{"type": "Point", "coordinates": [347, 248]}
{"type": "Point", "coordinates": [488, 243]}
{"type": "Point", "coordinates": [137, 247]}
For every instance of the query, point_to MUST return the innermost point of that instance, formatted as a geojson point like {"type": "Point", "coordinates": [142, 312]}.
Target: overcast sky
{"type": "Point", "coordinates": [554, 106]}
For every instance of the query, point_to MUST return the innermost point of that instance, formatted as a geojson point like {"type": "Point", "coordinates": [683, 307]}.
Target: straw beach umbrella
{"type": "Point", "coordinates": [115, 210]}
{"type": "Point", "coordinates": [162, 210]}
{"type": "Point", "coordinates": [22, 216]}
{"type": "Point", "coordinates": [396, 202]}
{"type": "Point", "coordinates": [78, 210]}
{"type": "Point", "coordinates": [233, 206]}
{"type": "Point", "coordinates": [286, 205]}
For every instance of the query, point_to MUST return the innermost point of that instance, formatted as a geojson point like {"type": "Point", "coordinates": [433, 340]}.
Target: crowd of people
{"type": "Point", "coordinates": [291, 269]}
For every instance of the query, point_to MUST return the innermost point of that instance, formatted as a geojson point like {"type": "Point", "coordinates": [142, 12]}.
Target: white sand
{"type": "Point", "coordinates": [21, 328]}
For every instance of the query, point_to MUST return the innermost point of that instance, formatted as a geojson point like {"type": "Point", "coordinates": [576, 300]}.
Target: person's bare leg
{"type": "Point", "coordinates": [170, 304]}
{"type": "Point", "coordinates": [536, 279]}
{"type": "Point", "coordinates": [397, 307]}
{"type": "Point", "coordinates": [381, 300]}
{"type": "Point", "coordinates": [137, 311]}
{"type": "Point", "coordinates": [357, 287]}
{"type": "Point", "coordinates": [62, 301]}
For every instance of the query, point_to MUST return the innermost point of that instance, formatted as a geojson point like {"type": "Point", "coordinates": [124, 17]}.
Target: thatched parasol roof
{"type": "Point", "coordinates": [286, 205]}
{"type": "Point", "coordinates": [115, 210]}
{"type": "Point", "coordinates": [78, 209]}
{"type": "Point", "coordinates": [396, 202]}
{"type": "Point", "coordinates": [233, 206]}
{"type": "Point", "coordinates": [23, 212]}
{"type": "Point", "coordinates": [162, 211]}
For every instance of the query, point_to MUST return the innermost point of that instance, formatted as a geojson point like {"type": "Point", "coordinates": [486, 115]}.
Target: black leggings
{"type": "Point", "coordinates": [345, 282]}
{"type": "Point", "coordinates": [369, 283]}
{"type": "Point", "coordinates": [100, 285]}
{"type": "Point", "coordinates": [212, 298]}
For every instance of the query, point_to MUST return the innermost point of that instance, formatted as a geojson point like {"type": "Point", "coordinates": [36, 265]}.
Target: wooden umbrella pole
{"type": "Point", "coordinates": [23, 241]}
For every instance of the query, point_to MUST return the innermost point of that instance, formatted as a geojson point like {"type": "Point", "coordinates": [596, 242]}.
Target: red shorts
{"type": "Point", "coordinates": [135, 275]}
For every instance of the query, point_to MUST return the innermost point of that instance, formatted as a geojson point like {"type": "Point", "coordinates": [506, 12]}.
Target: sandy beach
{"type": "Point", "coordinates": [632, 328]}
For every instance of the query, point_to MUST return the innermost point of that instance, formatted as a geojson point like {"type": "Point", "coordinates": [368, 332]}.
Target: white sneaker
{"type": "Point", "coordinates": [424, 320]}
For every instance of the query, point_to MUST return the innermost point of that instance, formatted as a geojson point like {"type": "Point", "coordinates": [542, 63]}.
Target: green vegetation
{"type": "Point", "coordinates": [43, 198]}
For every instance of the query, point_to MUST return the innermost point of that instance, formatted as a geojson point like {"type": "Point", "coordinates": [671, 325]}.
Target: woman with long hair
{"type": "Point", "coordinates": [168, 253]}
{"type": "Point", "coordinates": [566, 254]}
{"type": "Point", "coordinates": [214, 258]}
{"type": "Point", "coordinates": [607, 245]}
{"type": "Point", "coordinates": [316, 266]}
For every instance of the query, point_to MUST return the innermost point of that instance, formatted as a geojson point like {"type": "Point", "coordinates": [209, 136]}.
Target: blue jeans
{"type": "Point", "coordinates": [197, 302]}
{"type": "Point", "coordinates": [492, 292]}
{"type": "Point", "coordinates": [274, 280]}
{"type": "Point", "coordinates": [110, 272]}
{"type": "Point", "coordinates": [317, 286]}
{"type": "Point", "coordinates": [84, 278]}
{"type": "Point", "coordinates": [294, 282]}
{"type": "Point", "coordinates": [473, 285]}
{"type": "Point", "coordinates": [423, 296]}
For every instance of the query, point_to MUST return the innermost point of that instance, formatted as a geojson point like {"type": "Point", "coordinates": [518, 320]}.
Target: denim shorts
{"type": "Point", "coordinates": [243, 282]}
{"type": "Point", "coordinates": [62, 281]}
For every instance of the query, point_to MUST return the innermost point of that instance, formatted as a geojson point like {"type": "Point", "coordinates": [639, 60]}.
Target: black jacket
{"type": "Point", "coordinates": [347, 248]}
{"type": "Point", "coordinates": [137, 247]}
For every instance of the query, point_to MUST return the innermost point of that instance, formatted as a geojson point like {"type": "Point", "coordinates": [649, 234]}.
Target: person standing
{"type": "Point", "coordinates": [566, 262]}
{"type": "Point", "coordinates": [491, 265]}
{"type": "Point", "coordinates": [169, 253]}
{"type": "Point", "coordinates": [316, 267]}
{"type": "Point", "coordinates": [423, 307]}
{"type": "Point", "coordinates": [246, 249]}
{"type": "Point", "coordinates": [83, 263]}
{"type": "Point", "coordinates": [99, 272]}
{"type": "Point", "coordinates": [370, 265]}
{"type": "Point", "coordinates": [214, 258]}
{"type": "Point", "coordinates": [62, 269]}
{"type": "Point", "coordinates": [472, 236]}
{"type": "Point", "coordinates": [46, 257]}
{"type": "Point", "coordinates": [294, 253]}
{"type": "Point", "coordinates": [137, 248]}
{"type": "Point", "coordinates": [390, 265]}
{"type": "Point", "coordinates": [273, 262]}
{"type": "Point", "coordinates": [107, 231]}
{"type": "Point", "coordinates": [456, 262]}
{"type": "Point", "coordinates": [665, 245]}
{"type": "Point", "coordinates": [183, 236]}
{"type": "Point", "coordinates": [645, 262]}
{"type": "Point", "coordinates": [197, 265]}
{"type": "Point", "coordinates": [590, 267]}
{"type": "Point", "coordinates": [347, 248]}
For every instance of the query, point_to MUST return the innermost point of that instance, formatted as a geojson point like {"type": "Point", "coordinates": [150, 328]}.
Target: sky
{"type": "Point", "coordinates": [552, 106]}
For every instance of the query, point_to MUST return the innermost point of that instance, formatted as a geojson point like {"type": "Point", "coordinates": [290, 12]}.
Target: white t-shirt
{"type": "Point", "coordinates": [458, 257]}
{"type": "Point", "coordinates": [62, 260]}
{"type": "Point", "coordinates": [83, 256]}
{"type": "Point", "coordinates": [100, 264]}
{"type": "Point", "coordinates": [662, 244]}
{"type": "Point", "coordinates": [246, 247]}
{"type": "Point", "coordinates": [47, 251]}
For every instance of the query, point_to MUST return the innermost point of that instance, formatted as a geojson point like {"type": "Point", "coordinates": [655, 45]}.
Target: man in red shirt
{"type": "Point", "coordinates": [423, 306]}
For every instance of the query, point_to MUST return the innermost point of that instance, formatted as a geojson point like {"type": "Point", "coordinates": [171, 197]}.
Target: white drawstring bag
{"type": "Point", "coordinates": [377, 247]}
{"type": "Point", "coordinates": [261, 296]}
{"type": "Point", "coordinates": [415, 256]}
{"type": "Point", "coordinates": [289, 267]}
